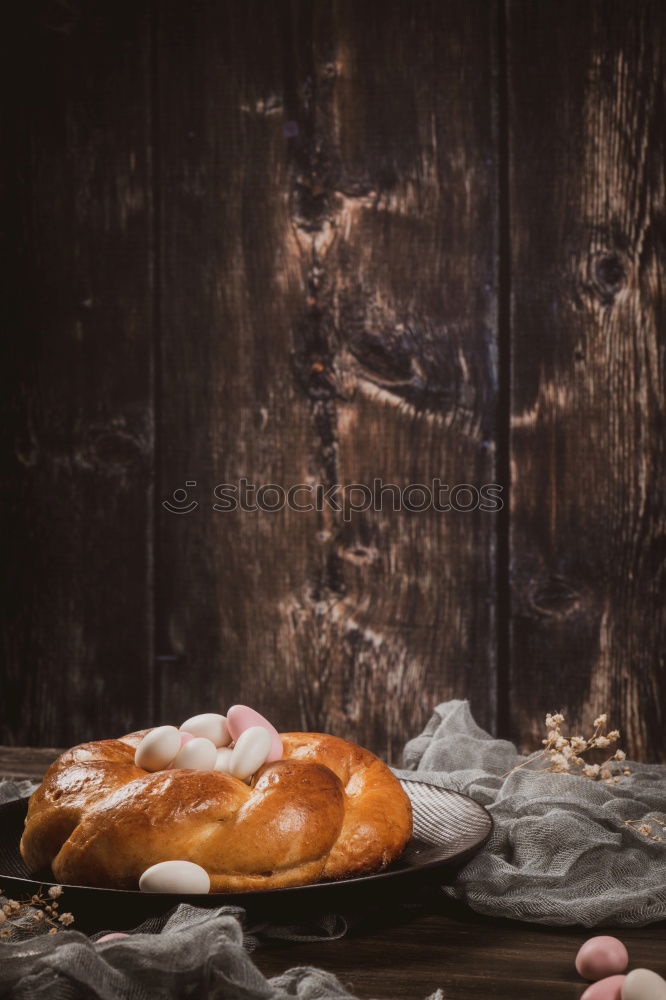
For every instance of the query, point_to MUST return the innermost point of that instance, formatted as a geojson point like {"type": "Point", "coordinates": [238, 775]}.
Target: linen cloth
{"type": "Point", "coordinates": [560, 853]}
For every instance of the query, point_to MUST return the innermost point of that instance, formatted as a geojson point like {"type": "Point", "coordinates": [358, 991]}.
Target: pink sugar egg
{"type": "Point", "coordinates": [605, 989]}
{"type": "Point", "coordinates": [111, 937]}
{"type": "Point", "coordinates": [601, 956]}
{"type": "Point", "coordinates": [240, 718]}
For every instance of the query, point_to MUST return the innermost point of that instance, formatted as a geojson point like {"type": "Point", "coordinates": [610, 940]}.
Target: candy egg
{"type": "Point", "coordinates": [223, 760]}
{"type": "Point", "coordinates": [605, 989]}
{"type": "Point", "coordinates": [157, 748]}
{"type": "Point", "coordinates": [642, 984]}
{"type": "Point", "coordinates": [214, 727]}
{"type": "Point", "coordinates": [111, 937]}
{"type": "Point", "coordinates": [251, 751]}
{"type": "Point", "coordinates": [175, 876]}
{"type": "Point", "coordinates": [240, 718]}
{"type": "Point", "coordinates": [184, 738]}
{"type": "Point", "coordinates": [198, 754]}
{"type": "Point", "coordinates": [601, 956]}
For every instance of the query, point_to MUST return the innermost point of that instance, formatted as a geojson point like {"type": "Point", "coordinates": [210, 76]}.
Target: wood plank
{"type": "Point", "coordinates": [413, 952]}
{"type": "Point", "coordinates": [77, 411]}
{"type": "Point", "coordinates": [328, 316]}
{"type": "Point", "coordinates": [26, 762]}
{"type": "Point", "coordinates": [587, 189]}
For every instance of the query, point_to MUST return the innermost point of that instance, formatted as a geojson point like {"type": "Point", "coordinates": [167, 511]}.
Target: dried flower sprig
{"type": "Point", "coordinates": [31, 914]}
{"type": "Point", "coordinates": [565, 753]}
{"type": "Point", "coordinates": [646, 827]}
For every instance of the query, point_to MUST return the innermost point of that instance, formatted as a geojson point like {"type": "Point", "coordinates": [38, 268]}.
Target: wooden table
{"type": "Point", "coordinates": [437, 944]}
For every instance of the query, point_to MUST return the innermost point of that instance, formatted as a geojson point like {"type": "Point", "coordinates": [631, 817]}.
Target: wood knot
{"type": "Point", "coordinates": [608, 275]}
{"type": "Point", "coordinates": [360, 555]}
{"type": "Point", "coordinates": [554, 598]}
{"type": "Point", "coordinates": [330, 70]}
{"type": "Point", "coordinates": [388, 357]}
{"type": "Point", "coordinates": [319, 381]}
{"type": "Point", "coordinates": [113, 452]}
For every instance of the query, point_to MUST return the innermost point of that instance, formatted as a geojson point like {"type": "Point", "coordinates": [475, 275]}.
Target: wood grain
{"type": "Point", "coordinates": [438, 945]}
{"type": "Point", "coordinates": [77, 409]}
{"type": "Point", "coordinates": [328, 192]}
{"type": "Point", "coordinates": [587, 198]}
{"type": "Point", "coordinates": [26, 762]}
{"type": "Point", "coordinates": [261, 240]}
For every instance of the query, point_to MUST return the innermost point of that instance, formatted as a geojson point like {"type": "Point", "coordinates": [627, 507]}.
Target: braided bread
{"type": "Point", "coordinates": [327, 810]}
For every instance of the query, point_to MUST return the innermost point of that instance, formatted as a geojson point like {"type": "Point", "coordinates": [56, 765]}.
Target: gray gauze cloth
{"type": "Point", "coordinates": [561, 851]}
{"type": "Point", "coordinates": [197, 953]}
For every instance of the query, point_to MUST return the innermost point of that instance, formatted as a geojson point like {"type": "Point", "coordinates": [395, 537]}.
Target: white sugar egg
{"type": "Point", "coordinates": [158, 748]}
{"type": "Point", "coordinates": [250, 751]}
{"type": "Point", "coordinates": [175, 876]}
{"type": "Point", "coordinates": [197, 754]}
{"type": "Point", "coordinates": [210, 725]}
{"type": "Point", "coordinates": [643, 984]}
{"type": "Point", "coordinates": [223, 760]}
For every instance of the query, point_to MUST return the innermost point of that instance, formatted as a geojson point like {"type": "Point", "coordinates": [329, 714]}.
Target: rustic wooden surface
{"type": "Point", "coordinates": [319, 242]}
{"type": "Point", "coordinates": [441, 945]}
{"type": "Point", "coordinates": [429, 944]}
{"type": "Point", "coordinates": [77, 398]}
{"type": "Point", "coordinates": [588, 505]}
{"type": "Point", "coordinates": [327, 316]}
{"type": "Point", "coordinates": [26, 762]}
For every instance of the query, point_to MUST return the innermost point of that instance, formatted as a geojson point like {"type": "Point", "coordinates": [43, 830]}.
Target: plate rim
{"type": "Point", "coordinates": [459, 858]}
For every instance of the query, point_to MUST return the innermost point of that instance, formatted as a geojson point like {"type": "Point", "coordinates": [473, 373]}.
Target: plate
{"type": "Point", "coordinates": [449, 829]}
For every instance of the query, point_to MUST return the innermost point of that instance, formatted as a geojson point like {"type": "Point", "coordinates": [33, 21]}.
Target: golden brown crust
{"type": "Point", "coordinates": [377, 819]}
{"type": "Point", "coordinates": [328, 809]}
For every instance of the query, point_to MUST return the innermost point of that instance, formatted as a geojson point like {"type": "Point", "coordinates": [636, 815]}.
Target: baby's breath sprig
{"type": "Point", "coordinates": [564, 754]}
{"type": "Point", "coordinates": [41, 909]}
{"type": "Point", "coordinates": [646, 828]}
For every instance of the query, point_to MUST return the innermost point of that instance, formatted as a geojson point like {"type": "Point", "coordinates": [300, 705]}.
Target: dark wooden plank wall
{"type": "Point", "coordinates": [332, 242]}
{"type": "Point", "coordinates": [77, 397]}
{"type": "Point", "coordinates": [327, 316]}
{"type": "Point", "coordinates": [588, 332]}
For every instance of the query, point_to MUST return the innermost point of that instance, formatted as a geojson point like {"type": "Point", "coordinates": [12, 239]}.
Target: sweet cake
{"type": "Point", "coordinates": [221, 804]}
